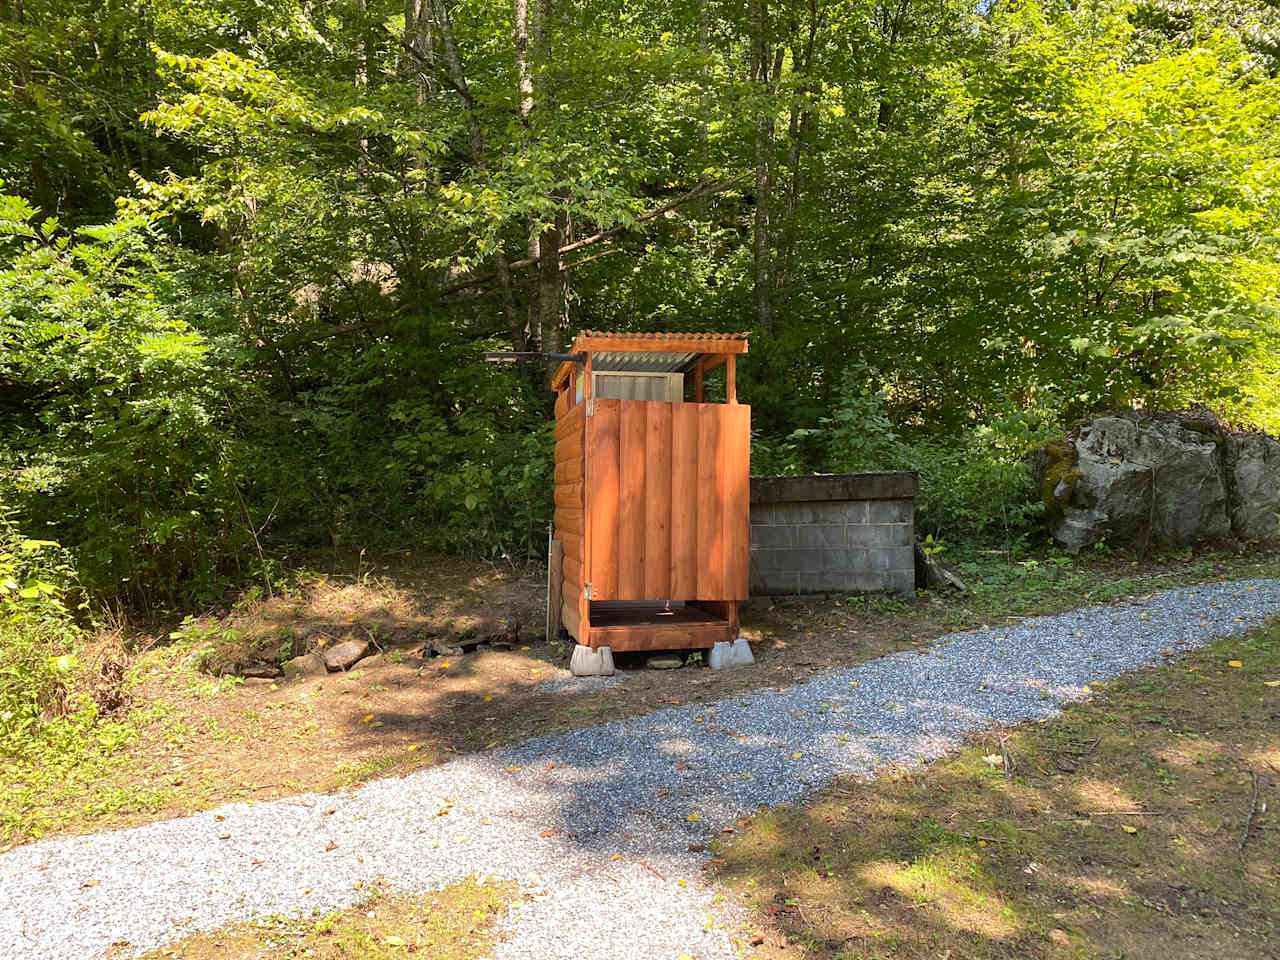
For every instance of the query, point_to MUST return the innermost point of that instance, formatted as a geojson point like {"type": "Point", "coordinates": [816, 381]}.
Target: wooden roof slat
{"type": "Point", "coordinates": [706, 343]}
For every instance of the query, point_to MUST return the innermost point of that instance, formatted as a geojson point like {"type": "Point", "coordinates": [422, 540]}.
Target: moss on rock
{"type": "Point", "coordinates": [1057, 467]}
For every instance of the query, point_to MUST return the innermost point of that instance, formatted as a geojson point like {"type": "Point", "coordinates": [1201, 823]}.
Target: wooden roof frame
{"type": "Point", "coordinates": [712, 348]}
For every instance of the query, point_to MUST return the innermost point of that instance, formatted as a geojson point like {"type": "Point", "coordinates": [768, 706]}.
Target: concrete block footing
{"type": "Point", "coordinates": [721, 655]}
{"type": "Point", "coordinates": [740, 653]}
{"type": "Point", "coordinates": [586, 662]}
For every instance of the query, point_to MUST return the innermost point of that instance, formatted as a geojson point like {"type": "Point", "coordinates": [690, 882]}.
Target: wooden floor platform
{"type": "Point", "coordinates": [655, 628]}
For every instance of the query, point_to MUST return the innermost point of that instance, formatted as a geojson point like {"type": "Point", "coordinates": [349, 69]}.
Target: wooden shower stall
{"type": "Point", "coordinates": [652, 493]}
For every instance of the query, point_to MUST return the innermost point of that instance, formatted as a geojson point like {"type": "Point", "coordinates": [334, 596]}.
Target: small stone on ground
{"type": "Point", "coordinates": [665, 661]}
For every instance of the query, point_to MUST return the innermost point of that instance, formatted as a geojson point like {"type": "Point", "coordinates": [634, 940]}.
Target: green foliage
{"type": "Point", "coordinates": [260, 248]}
{"type": "Point", "coordinates": [113, 440]}
{"type": "Point", "coordinates": [39, 640]}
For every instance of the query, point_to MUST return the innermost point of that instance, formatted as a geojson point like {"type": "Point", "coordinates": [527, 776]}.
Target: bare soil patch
{"type": "Point", "coordinates": [198, 741]}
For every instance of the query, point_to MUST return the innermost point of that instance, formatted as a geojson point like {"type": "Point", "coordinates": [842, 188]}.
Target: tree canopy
{"type": "Point", "coordinates": [250, 254]}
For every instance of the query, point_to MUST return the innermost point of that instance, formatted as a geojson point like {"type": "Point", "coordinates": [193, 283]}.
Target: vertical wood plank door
{"type": "Point", "coordinates": [668, 504]}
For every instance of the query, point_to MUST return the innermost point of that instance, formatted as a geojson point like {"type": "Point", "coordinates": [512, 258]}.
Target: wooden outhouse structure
{"type": "Point", "coordinates": [652, 492]}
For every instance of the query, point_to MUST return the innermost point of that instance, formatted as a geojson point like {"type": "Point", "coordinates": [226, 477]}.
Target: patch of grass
{"type": "Point", "coordinates": [1117, 833]}
{"type": "Point", "coordinates": [457, 923]}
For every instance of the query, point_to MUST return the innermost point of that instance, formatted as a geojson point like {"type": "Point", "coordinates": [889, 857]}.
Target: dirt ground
{"type": "Point", "coordinates": [200, 740]}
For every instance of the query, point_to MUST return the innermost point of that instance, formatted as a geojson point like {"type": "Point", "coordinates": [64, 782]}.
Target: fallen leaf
{"type": "Point", "coordinates": [1272, 683]}
{"type": "Point", "coordinates": [487, 699]}
{"type": "Point", "coordinates": [796, 756]}
{"type": "Point", "coordinates": [357, 885]}
{"type": "Point", "coordinates": [330, 846]}
{"type": "Point", "coordinates": [394, 941]}
{"type": "Point", "coordinates": [681, 883]}
{"type": "Point", "coordinates": [366, 718]}
{"type": "Point", "coordinates": [413, 746]}
{"type": "Point", "coordinates": [694, 817]}
{"type": "Point", "coordinates": [1235, 663]}
{"type": "Point", "coordinates": [330, 811]}
{"type": "Point", "coordinates": [1128, 829]}
{"type": "Point", "coordinates": [89, 883]}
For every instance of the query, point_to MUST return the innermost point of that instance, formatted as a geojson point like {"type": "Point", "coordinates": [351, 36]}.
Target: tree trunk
{"type": "Point", "coordinates": [421, 44]}
{"type": "Point", "coordinates": [524, 70]}
{"type": "Point", "coordinates": [761, 247]}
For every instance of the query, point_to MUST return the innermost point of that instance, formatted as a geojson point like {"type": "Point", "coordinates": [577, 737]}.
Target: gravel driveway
{"type": "Point", "coordinates": [554, 811]}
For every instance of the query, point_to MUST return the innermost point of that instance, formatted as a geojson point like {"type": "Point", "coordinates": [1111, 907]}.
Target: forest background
{"type": "Point", "coordinates": [251, 253]}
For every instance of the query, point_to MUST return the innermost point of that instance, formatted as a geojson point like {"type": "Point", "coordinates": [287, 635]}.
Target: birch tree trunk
{"type": "Point", "coordinates": [418, 38]}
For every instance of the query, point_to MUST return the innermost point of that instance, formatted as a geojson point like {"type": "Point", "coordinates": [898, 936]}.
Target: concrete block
{"type": "Point", "coordinates": [855, 511]}
{"type": "Point", "coordinates": [900, 581]}
{"type": "Point", "coordinates": [776, 535]}
{"type": "Point", "coordinates": [820, 535]}
{"type": "Point", "coordinates": [848, 486]}
{"type": "Point", "coordinates": [890, 511]}
{"type": "Point", "coordinates": [586, 662]}
{"type": "Point", "coordinates": [741, 653]}
{"type": "Point", "coordinates": [721, 655]}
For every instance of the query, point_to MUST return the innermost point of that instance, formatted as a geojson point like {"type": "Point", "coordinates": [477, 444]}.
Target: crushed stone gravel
{"type": "Point", "coordinates": [553, 813]}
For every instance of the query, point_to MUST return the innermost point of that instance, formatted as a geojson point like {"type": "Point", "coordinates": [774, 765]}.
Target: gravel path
{"type": "Point", "coordinates": [554, 811]}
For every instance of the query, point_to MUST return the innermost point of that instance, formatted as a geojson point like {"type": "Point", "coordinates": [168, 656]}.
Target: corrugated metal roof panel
{"type": "Point", "coordinates": [642, 362]}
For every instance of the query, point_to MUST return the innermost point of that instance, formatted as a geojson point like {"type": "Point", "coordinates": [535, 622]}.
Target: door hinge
{"type": "Point", "coordinates": [586, 591]}
{"type": "Point", "coordinates": [591, 406]}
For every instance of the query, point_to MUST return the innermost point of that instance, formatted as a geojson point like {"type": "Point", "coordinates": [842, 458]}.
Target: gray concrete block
{"type": "Point", "coordinates": [856, 511]}
{"type": "Point", "coordinates": [897, 485]}
{"type": "Point", "coordinates": [586, 662]}
{"type": "Point", "coordinates": [900, 581]}
{"type": "Point", "coordinates": [721, 655]}
{"type": "Point", "coordinates": [778, 535]}
{"type": "Point", "coordinates": [740, 653]}
{"type": "Point", "coordinates": [890, 511]}
{"type": "Point", "coordinates": [821, 535]}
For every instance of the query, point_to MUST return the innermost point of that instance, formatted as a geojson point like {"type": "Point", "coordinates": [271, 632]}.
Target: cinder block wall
{"type": "Point", "coordinates": [846, 533]}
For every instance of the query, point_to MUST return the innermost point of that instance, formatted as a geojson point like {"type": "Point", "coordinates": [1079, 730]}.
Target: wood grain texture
{"type": "Point", "coordinates": [700, 636]}
{"type": "Point", "coordinates": [735, 497]}
{"type": "Point", "coordinates": [632, 449]}
{"type": "Point", "coordinates": [657, 498]}
{"type": "Point", "coordinates": [569, 495]}
{"type": "Point", "coordinates": [569, 423]}
{"type": "Point", "coordinates": [570, 615]}
{"type": "Point", "coordinates": [602, 511]}
{"type": "Point", "coordinates": [568, 520]}
{"type": "Point", "coordinates": [569, 470]}
{"type": "Point", "coordinates": [572, 574]}
{"type": "Point", "coordinates": [684, 502]}
{"type": "Point", "coordinates": [710, 526]}
{"type": "Point", "coordinates": [569, 446]}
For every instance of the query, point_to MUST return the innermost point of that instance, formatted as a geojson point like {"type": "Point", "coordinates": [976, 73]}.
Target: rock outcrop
{"type": "Point", "coordinates": [1137, 479]}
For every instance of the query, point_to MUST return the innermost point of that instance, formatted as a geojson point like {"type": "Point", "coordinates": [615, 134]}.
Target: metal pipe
{"type": "Point", "coordinates": [497, 356]}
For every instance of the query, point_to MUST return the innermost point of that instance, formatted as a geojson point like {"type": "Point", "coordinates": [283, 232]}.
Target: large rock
{"type": "Point", "coordinates": [1136, 480]}
{"type": "Point", "coordinates": [1255, 472]}
{"type": "Point", "coordinates": [344, 655]}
